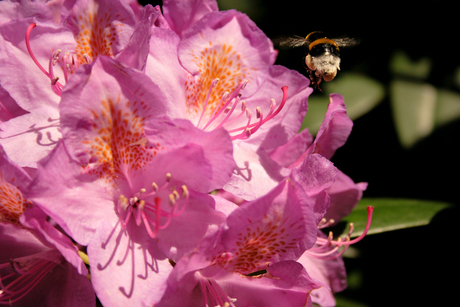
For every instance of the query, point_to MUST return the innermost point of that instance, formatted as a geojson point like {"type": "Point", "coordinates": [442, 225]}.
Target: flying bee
{"type": "Point", "coordinates": [323, 54]}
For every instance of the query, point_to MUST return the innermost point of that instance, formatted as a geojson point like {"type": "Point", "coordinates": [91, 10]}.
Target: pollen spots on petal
{"type": "Point", "coordinates": [119, 143]}
{"type": "Point", "coordinates": [12, 203]}
{"type": "Point", "coordinates": [263, 243]}
{"type": "Point", "coordinates": [95, 32]}
{"type": "Point", "coordinates": [215, 61]}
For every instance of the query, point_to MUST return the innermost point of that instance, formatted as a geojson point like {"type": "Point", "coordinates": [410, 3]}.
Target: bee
{"type": "Point", "coordinates": [322, 54]}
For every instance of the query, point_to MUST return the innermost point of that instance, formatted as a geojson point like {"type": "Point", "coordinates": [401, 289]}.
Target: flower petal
{"type": "Point", "coordinates": [103, 111]}
{"type": "Point", "coordinates": [136, 50]}
{"type": "Point", "coordinates": [188, 229]}
{"type": "Point", "coordinates": [181, 15]}
{"type": "Point", "coordinates": [345, 195]}
{"type": "Point", "coordinates": [35, 218]}
{"type": "Point", "coordinates": [100, 27]}
{"type": "Point", "coordinates": [216, 146]}
{"type": "Point", "coordinates": [335, 129]}
{"type": "Point", "coordinates": [29, 138]}
{"type": "Point", "coordinates": [60, 183]}
{"type": "Point", "coordinates": [278, 226]}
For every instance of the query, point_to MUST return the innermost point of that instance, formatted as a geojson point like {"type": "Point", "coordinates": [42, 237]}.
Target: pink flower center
{"type": "Point", "coordinates": [21, 275]}
{"type": "Point", "coordinates": [327, 248]}
{"type": "Point", "coordinates": [69, 62]}
{"type": "Point", "coordinates": [233, 114]}
{"type": "Point", "coordinates": [155, 209]}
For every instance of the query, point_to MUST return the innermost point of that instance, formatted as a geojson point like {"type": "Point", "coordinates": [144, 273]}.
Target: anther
{"type": "Point", "coordinates": [176, 195]}
{"type": "Point", "coordinates": [141, 204]}
{"type": "Point", "coordinates": [185, 192]}
{"type": "Point", "coordinates": [248, 113]}
{"type": "Point", "coordinates": [248, 132]}
{"type": "Point", "coordinates": [124, 202]}
{"type": "Point", "coordinates": [172, 200]}
{"type": "Point", "coordinates": [258, 112]}
{"type": "Point", "coordinates": [55, 56]}
{"type": "Point", "coordinates": [243, 105]}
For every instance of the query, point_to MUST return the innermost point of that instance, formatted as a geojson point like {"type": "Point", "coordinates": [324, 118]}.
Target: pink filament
{"type": "Point", "coordinates": [25, 279]}
{"type": "Point", "coordinates": [55, 85]}
{"type": "Point", "coordinates": [328, 248]}
{"type": "Point", "coordinates": [229, 106]}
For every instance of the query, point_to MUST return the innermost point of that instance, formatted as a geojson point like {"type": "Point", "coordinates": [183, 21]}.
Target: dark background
{"type": "Point", "coordinates": [412, 267]}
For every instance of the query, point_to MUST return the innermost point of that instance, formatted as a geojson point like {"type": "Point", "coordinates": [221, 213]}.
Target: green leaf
{"type": "Point", "coordinates": [343, 301]}
{"type": "Point", "coordinates": [401, 64]}
{"type": "Point", "coordinates": [317, 107]}
{"type": "Point", "coordinates": [447, 107]}
{"type": "Point", "coordinates": [360, 92]}
{"type": "Point", "coordinates": [393, 213]}
{"type": "Point", "coordinates": [413, 105]}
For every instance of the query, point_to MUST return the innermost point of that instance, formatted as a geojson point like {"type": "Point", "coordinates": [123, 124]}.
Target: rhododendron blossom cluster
{"type": "Point", "coordinates": [152, 156]}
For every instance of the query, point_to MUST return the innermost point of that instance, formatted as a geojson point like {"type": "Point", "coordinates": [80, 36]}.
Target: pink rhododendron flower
{"type": "Point", "coordinates": [224, 76]}
{"type": "Point", "coordinates": [323, 260]}
{"type": "Point", "coordinates": [250, 260]}
{"type": "Point", "coordinates": [37, 64]}
{"type": "Point", "coordinates": [129, 180]}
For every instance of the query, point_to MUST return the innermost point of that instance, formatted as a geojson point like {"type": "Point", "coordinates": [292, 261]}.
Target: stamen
{"type": "Point", "coordinates": [325, 223]}
{"type": "Point", "coordinates": [235, 94]}
{"type": "Point", "coordinates": [328, 248]}
{"type": "Point", "coordinates": [242, 132]}
{"type": "Point", "coordinates": [148, 208]}
{"type": "Point", "coordinates": [213, 84]}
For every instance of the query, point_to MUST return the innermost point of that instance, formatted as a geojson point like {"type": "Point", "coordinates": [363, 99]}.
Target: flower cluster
{"type": "Point", "coordinates": [153, 157]}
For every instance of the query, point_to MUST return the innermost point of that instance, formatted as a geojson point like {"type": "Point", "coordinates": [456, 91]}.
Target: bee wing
{"type": "Point", "coordinates": [346, 41]}
{"type": "Point", "coordinates": [293, 42]}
